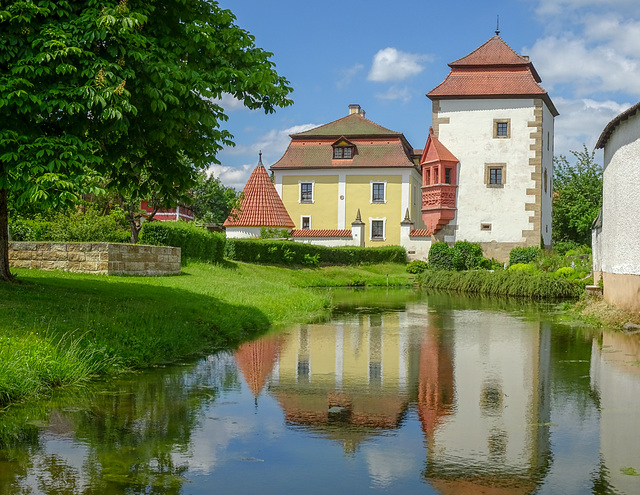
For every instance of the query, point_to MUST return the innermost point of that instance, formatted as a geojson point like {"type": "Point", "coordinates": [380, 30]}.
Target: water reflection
{"type": "Point", "coordinates": [437, 395]}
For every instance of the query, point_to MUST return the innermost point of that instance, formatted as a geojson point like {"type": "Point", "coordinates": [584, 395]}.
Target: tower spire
{"type": "Point", "coordinates": [498, 25]}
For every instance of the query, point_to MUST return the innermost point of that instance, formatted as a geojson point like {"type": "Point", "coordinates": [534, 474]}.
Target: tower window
{"type": "Point", "coordinates": [501, 128]}
{"type": "Point", "coordinates": [495, 174]}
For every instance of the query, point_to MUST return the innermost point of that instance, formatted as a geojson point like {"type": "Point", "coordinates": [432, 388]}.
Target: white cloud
{"type": "Point", "coordinates": [273, 144]}
{"type": "Point", "coordinates": [229, 103]}
{"type": "Point", "coordinates": [390, 64]}
{"type": "Point", "coordinates": [396, 93]}
{"type": "Point", "coordinates": [581, 121]}
{"type": "Point", "coordinates": [346, 75]}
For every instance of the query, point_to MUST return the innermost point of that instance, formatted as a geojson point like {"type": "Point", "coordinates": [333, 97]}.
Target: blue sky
{"type": "Point", "coordinates": [386, 56]}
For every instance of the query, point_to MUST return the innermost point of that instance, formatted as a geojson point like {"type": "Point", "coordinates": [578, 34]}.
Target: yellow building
{"type": "Point", "coordinates": [331, 172]}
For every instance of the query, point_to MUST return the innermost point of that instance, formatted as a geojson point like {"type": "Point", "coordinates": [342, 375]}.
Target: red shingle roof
{"type": "Point", "coordinates": [420, 233]}
{"type": "Point", "coordinates": [492, 70]}
{"type": "Point", "coordinates": [321, 233]}
{"type": "Point", "coordinates": [435, 151]}
{"type": "Point", "coordinates": [260, 205]}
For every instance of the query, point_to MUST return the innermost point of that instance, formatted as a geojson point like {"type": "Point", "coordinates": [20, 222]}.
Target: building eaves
{"type": "Point", "coordinates": [610, 127]}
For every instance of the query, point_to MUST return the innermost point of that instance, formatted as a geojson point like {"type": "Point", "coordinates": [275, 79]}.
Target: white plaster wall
{"type": "Point", "coordinates": [417, 248]}
{"type": "Point", "coordinates": [502, 353]}
{"type": "Point", "coordinates": [547, 164]}
{"type": "Point", "coordinates": [242, 232]}
{"type": "Point", "coordinates": [469, 136]}
{"type": "Point", "coordinates": [621, 200]}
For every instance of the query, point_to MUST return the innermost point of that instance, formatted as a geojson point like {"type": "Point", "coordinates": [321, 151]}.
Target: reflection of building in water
{"type": "Point", "coordinates": [615, 376]}
{"type": "Point", "coordinates": [492, 436]}
{"type": "Point", "coordinates": [348, 379]}
{"type": "Point", "coordinates": [256, 359]}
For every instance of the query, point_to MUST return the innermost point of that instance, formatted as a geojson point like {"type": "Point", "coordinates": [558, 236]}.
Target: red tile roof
{"type": "Point", "coordinates": [318, 153]}
{"type": "Point", "coordinates": [375, 146]}
{"type": "Point", "coordinates": [260, 205]}
{"type": "Point", "coordinates": [492, 70]}
{"type": "Point", "coordinates": [420, 233]}
{"type": "Point", "coordinates": [435, 151]}
{"type": "Point", "coordinates": [321, 233]}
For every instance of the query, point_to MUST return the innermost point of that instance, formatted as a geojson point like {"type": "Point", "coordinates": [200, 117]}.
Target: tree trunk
{"type": "Point", "coordinates": [5, 273]}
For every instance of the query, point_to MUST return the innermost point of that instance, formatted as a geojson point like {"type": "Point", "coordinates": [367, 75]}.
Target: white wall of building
{"type": "Point", "coordinates": [621, 200]}
{"type": "Point", "coordinates": [547, 165]}
{"type": "Point", "coordinates": [242, 232]}
{"type": "Point", "coordinates": [469, 136]}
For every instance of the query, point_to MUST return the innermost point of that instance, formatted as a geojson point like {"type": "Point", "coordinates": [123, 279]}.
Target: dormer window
{"type": "Point", "coordinates": [343, 150]}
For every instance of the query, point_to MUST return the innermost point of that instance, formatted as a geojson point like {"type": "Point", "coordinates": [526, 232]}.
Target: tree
{"type": "Point", "coordinates": [212, 201]}
{"type": "Point", "coordinates": [127, 89]}
{"type": "Point", "coordinates": [577, 197]}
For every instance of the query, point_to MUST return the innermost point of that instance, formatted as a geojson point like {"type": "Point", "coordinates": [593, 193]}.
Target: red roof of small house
{"type": "Point", "coordinates": [492, 70]}
{"type": "Point", "coordinates": [374, 146]}
{"type": "Point", "coordinates": [260, 205]}
{"type": "Point", "coordinates": [435, 151]}
{"type": "Point", "coordinates": [420, 233]}
{"type": "Point", "coordinates": [320, 233]}
{"type": "Point", "coordinates": [610, 127]}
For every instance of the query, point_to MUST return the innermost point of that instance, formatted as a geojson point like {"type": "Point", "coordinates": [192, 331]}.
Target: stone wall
{"type": "Point", "coordinates": [96, 257]}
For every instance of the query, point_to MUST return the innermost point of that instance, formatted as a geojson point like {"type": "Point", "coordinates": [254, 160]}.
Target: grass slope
{"type": "Point", "coordinates": [59, 328]}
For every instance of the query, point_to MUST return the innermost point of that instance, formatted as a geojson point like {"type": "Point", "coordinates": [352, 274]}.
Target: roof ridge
{"type": "Point", "coordinates": [314, 131]}
{"type": "Point", "coordinates": [496, 38]}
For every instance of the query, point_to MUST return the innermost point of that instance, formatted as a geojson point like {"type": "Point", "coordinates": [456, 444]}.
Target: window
{"type": "Point", "coordinates": [377, 230]}
{"type": "Point", "coordinates": [342, 152]}
{"type": "Point", "coordinates": [495, 174]}
{"type": "Point", "coordinates": [306, 192]}
{"type": "Point", "coordinates": [377, 194]}
{"type": "Point", "coordinates": [447, 176]}
{"type": "Point", "coordinates": [501, 128]}
{"type": "Point", "coordinates": [485, 226]}
{"type": "Point", "coordinates": [305, 223]}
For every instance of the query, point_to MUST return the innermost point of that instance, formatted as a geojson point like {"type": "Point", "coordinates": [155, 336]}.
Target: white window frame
{"type": "Point", "coordinates": [302, 217]}
{"type": "Point", "coordinates": [384, 229]}
{"type": "Point", "coordinates": [313, 191]}
{"type": "Point", "coordinates": [371, 183]}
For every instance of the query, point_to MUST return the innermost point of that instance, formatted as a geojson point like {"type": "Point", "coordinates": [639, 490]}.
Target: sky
{"type": "Point", "coordinates": [385, 56]}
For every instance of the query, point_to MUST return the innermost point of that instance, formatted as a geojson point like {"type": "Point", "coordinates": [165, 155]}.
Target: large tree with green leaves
{"type": "Point", "coordinates": [211, 200]}
{"type": "Point", "coordinates": [127, 89]}
{"type": "Point", "coordinates": [577, 196]}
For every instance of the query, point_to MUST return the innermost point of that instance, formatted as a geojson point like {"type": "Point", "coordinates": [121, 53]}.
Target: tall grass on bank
{"type": "Point", "coordinates": [502, 283]}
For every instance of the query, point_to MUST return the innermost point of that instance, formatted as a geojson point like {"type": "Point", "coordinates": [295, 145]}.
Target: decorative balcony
{"type": "Point", "coordinates": [438, 205]}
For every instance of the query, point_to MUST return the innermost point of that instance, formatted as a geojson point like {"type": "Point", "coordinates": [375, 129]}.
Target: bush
{"type": "Point", "coordinates": [524, 255]}
{"type": "Point", "coordinates": [417, 266]}
{"type": "Point", "coordinates": [466, 255]}
{"type": "Point", "coordinates": [440, 256]}
{"type": "Point", "coordinates": [562, 247]}
{"type": "Point", "coordinates": [523, 267]}
{"type": "Point", "coordinates": [195, 242]}
{"type": "Point", "coordinates": [295, 253]}
{"type": "Point", "coordinates": [566, 272]}
{"type": "Point", "coordinates": [73, 226]}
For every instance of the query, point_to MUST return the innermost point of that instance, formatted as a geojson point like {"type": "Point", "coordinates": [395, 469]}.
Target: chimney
{"type": "Point", "coordinates": [355, 109]}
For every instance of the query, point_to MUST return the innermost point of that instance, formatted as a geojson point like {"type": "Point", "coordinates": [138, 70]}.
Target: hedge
{"type": "Point", "coordinates": [516, 283]}
{"type": "Point", "coordinates": [195, 242]}
{"type": "Point", "coordinates": [297, 253]}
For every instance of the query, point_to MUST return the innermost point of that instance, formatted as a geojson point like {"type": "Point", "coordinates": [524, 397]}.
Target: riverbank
{"type": "Point", "coordinates": [597, 312]}
{"type": "Point", "coordinates": [59, 328]}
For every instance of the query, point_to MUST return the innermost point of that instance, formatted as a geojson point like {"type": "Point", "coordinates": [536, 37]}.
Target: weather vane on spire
{"type": "Point", "coordinates": [498, 26]}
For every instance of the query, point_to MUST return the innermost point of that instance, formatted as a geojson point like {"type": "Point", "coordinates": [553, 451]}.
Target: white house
{"type": "Point", "coordinates": [616, 234]}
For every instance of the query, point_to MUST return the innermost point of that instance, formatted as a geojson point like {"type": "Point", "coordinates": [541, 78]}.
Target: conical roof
{"type": "Point", "coordinates": [435, 151]}
{"type": "Point", "coordinates": [260, 205]}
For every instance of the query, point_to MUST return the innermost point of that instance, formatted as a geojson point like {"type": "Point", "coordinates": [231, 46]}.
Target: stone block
{"type": "Point", "coordinates": [73, 266]}
{"type": "Point", "coordinates": [59, 246]}
{"type": "Point", "coordinates": [77, 256]}
{"type": "Point", "coordinates": [21, 264]}
{"type": "Point", "coordinates": [103, 266]}
{"type": "Point", "coordinates": [43, 246]}
{"type": "Point", "coordinates": [46, 265]}
{"type": "Point", "coordinates": [88, 266]}
{"type": "Point", "coordinates": [93, 256]}
{"type": "Point", "coordinates": [73, 247]}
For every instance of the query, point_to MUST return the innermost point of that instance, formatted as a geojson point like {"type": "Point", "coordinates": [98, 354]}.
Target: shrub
{"type": "Point", "coordinates": [274, 233]}
{"type": "Point", "coordinates": [195, 242]}
{"type": "Point", "coordinates": [566, 272]}
{"type": "Point", "coordinates": [524, 255]}
{"type": "Point", "coordinates": [73, 226]}
{"type": "Point", "coordinates": [562, 247]}
{"type": "Point", "coordinates": [466, 255]}
{"type": "Point", "coordinates": [417, 266]}
{"type": "Point", "coordinates": [522, 267]}
{"type": "Point", "coordinates": [440, 256]}
{"type": "Point", "coordinates": [279, 252]}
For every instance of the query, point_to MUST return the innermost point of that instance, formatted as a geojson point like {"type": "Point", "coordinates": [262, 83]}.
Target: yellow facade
{"type": "Point", "coordinates": [335, 205]}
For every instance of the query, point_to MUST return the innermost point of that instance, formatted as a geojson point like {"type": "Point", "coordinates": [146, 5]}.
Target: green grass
{"type": "Point", "coordinates": [59, 328]}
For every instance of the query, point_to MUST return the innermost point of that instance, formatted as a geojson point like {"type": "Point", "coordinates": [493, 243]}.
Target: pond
{"type": "Point", "coordinates": [401, 392]}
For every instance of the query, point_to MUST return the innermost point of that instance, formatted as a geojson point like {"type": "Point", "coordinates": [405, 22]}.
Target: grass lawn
{"type": "Point", "coordinates": [58, 328]}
